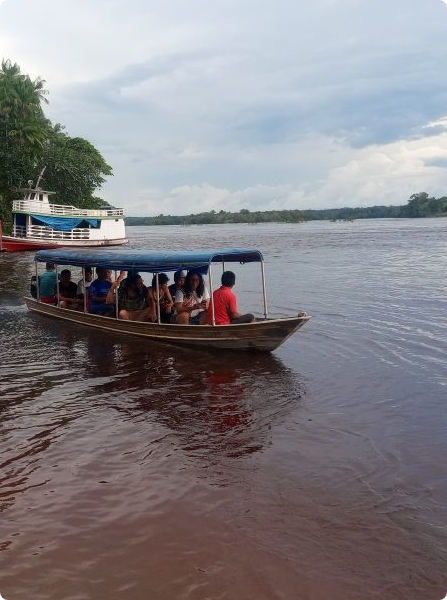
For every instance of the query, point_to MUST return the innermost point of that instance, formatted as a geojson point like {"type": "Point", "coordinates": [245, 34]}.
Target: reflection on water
{"type": "Point", "coordinates": [214, 406]}
{"type": "Point", "coordinates": [140, 470]}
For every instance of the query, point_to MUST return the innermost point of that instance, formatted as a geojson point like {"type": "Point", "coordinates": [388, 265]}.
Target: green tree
{"type": "Point", "coordinates": [417, 205]}
{"type": "Point", "coordinates": [74, 169]}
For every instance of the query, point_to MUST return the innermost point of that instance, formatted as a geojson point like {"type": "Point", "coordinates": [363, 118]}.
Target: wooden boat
{"type": "Point", "coordinates": [38, 224]}
{"type": "Point", "coordinates": [263, 334]}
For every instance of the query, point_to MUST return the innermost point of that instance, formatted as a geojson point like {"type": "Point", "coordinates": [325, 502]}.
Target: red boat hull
{"type": "Point", "coordinates": [11, 245]}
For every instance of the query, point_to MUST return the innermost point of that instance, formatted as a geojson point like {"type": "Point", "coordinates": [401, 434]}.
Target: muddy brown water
{"type": "Point", "coordinates": [141, 471]}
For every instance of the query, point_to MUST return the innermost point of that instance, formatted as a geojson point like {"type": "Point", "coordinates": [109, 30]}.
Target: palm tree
{"type": "Point", "coordinates": [19, 95]}
{"type": "Point", "coordinates": [23, 126]}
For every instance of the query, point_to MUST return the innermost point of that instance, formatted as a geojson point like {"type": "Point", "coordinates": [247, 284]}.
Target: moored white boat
{"type": "Point", "coordinates": [38, 224]}
{"type": "Point", "coordinates": [263, 334]}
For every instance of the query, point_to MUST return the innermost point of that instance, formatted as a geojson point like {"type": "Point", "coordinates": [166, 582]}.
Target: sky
{"type": "Point", "coordinates": [204, 105]}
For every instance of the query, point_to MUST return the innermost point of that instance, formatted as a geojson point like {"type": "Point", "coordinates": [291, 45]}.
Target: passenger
{"type": "Point", "coordinates": [48, 284]}
{"type": "Point", "coordinates": [98, 291]}
{"type": "Point", "coordinates": [134, 301]}
{"type": "Point", "coordinates": [225, 304]}
{"type": "Point", "coordinates": [191, 303]}
{"type": "Point", "coordinates": [33, 286]}
{"type": "Point", "coordinates": [162, 297]}
{"type": "Point", "coordinates": [83, 287]}
{"type": "Point", "coordinates": [67, 292]}
{"type": "Point", "coordinates": [179, 280]}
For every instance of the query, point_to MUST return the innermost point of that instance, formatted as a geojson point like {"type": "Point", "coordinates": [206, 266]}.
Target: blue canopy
{"type": "Point", "coordinates": [154, 261]}
{"type": "Point", "coordinates": [65, 223]}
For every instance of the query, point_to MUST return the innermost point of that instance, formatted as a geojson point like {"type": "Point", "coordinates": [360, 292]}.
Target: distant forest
{"type": "Point", "coordinates": [419, 205]}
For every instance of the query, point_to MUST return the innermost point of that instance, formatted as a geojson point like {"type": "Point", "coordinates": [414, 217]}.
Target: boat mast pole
{"type": "Point", "coordinates": [40, 176]}
{"type": "Point", "coordinates": [263, 289]}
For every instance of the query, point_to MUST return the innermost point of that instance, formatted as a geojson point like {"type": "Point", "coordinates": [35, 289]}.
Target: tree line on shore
{"type": "Point", "coordinates": [419, 205]}
{"type": "Point", "coordinates": [29, 142]}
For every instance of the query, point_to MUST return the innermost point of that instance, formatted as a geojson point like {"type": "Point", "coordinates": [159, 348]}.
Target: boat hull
{"type": "Point", "coordinates": [261, 335]}
{"type": "Point", "coordinates": [11, 244]}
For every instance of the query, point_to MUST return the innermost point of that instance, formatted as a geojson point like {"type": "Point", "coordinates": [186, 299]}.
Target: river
{"type": "Point", "coordinates": [136, 470]}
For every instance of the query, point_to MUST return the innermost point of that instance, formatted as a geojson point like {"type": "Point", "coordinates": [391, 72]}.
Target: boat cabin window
{"type": "Point", "coordinates": [35, 196]}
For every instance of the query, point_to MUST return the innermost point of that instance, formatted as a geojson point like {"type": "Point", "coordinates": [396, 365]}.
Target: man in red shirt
{"type": "Point", "coordinates": [225, 304]}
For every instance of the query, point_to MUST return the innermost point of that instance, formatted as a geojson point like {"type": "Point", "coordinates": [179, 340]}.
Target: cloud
{"type": "Point", "coordinates": [230, 105]}
{"type": "Point", "coordinates": [377, 175]}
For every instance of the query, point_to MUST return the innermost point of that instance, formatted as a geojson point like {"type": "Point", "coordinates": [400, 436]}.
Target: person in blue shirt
{"type": "Point", "coordinates": [99, 288]}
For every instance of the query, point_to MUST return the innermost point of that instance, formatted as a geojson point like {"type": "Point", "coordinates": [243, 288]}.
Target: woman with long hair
{"type": "Point", "coordinates": [191, 302]}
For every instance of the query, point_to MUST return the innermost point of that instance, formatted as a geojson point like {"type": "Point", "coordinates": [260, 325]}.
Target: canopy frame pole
{"type": "Point", "coordinates": [116, 300]}
{"type": "Point", "coordinates": [264, 293]}
{"type": "Point", "coordinates": [85, 290]}
{"type": "Point", "coordinates": [57, 287]}
{"type": "Point", "coordinates": [157, 288]}
{"type": "Point", "coordinates": [210, 279]}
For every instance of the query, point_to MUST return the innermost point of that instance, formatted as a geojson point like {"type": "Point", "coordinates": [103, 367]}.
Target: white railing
{"type": "Point", "coordinates": [19, 231]}
{"type": "Point", "coordinates": [38, 231]}
{"type": "Point", "coordinates": [63, 210]}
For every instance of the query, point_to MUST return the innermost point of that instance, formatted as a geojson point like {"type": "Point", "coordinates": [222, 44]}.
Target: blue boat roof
{"type": "Point", "coordinates": [147, 260]}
